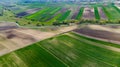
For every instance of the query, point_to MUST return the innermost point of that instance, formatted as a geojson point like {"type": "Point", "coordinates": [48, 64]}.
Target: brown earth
{"type": "Point", "coordinates": [110, 33]}
{"type": "Point", "coordinates": [14, 38]}
{"type": "Point", "coordinates": [88, 13]}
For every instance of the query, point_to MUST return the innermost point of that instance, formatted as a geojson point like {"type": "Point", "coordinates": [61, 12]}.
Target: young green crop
{"type": "Point", "coordinates": [79, 16]}
{"type": "Point", "coordinates": [96, 12]}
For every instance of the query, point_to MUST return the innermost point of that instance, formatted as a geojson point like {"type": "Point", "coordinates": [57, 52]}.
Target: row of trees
{"type": "Point", "coordinates": [69, 22]}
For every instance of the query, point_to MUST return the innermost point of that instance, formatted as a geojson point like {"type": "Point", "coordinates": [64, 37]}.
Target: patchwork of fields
{"type": "Point", "coordinates": [65, 50]}
{"type": "Point", "coordinates": [51, 15]}
{"type": "Point", "coordinates": [55, 14]}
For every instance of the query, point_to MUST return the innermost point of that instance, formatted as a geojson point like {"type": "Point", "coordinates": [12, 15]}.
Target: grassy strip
{"type": "Point", "coordinates": [54, 19]}
{"type": "Point", "coordinates": [55, 10]}
{"type": "Point", "coordinates": [97, 16]}
{"type": "Point", "coordinates": [116, 8]}
{"type": "Point", "coordinates": [107, 13]}
{"type": "Point", "coordinates": [49, 14]}
{"type": "Point", "coordinates": [79, 16]}
{"type": "Point", "coordinates": [64, 16]}
{"type": "Point", "coordinates": [37, 13]}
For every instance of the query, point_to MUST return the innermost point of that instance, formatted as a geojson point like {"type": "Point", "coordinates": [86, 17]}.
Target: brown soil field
{"type": "Point", "coordinates": [107, 33]}
{"type": "Point", "coordinates": [88, 13]}
{"type": "Point", "coordinates": [102, 14]}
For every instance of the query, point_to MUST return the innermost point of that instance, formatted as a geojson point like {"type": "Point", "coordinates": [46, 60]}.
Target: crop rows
{"type": "Point", "coordinates": [97, 16]}
{"type": "Point", "coordinates": [111, 12]}
{"type": "Point", "coordinates": [64, 16]}
{"type": "Point", "coordinates": [64, 50]}
{"type": "Point", "coordinates": [1, 10]}
{"type": "Point", "coordinates": [79, 16]}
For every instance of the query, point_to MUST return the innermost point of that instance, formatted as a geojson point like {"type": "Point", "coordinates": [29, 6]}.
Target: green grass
{"type": "Point", "coordinates": [37, 14]}
{"type": "Point", "coordinates": [1, 9]}
{"type": "Point", "coordinates": [77, 50]}
{"type": "Point", "coordinates": [54, 19]}
{"type": "Point", "coordinates": [96, 12]}
{"type": "Point", "coordinates": [64, 16]}
{"type": "Point", "coordinates": [31, 56]}
{"type": "Point", "coordinates": [79, 16]}
{"type": "Point", "coordinates": [112, 13]}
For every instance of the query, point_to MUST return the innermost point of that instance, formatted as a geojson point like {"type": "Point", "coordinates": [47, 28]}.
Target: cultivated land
{"type": "Point", "coordinates": [47, 14]}
{"type": "Point", "coordinates": [68, 49]}
{"type": "Point", "coordinates": [88, 13]}
{"type": "Point", "coordinates": [12, 37]}
{"type": "Point", "coordinates": [1, 10]}
{"type": "Point", "coordinates": [112, 13]}
{"type": "Point", "coordinates": [102, 14]}
{"type": "Point", "coordinates": [79, 15]}
{"type": "Point", "coordinates": [109, 33]}
{"type": "Point", "coordinates": [68, 45]}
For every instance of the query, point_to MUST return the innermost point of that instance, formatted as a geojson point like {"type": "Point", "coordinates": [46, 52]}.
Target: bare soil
{"type": "Point", "coordinates": [102, 14]}
{"type": "Point", "coordinates": [88, 13]}
{"type": "Point", "coordinates": [103, 32]}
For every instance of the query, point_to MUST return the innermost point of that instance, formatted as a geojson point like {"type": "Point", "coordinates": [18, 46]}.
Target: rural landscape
{"type": "Point", "coordinates": [60, 33]}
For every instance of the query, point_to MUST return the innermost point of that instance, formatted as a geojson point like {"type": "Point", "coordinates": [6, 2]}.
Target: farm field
{"type": "Point", "coordinates": [88, 14]}
{"type": "Point", "coordinates": [96, 13]}
{"type": "Point", "coordinates": [64, 16]}
{"type": "Point", "coordinates": [111, 13]}
{"type": "Point", "coordinates": [58, 33]}
{"type": "Point", "coordinates": [69, 49]}
{"type": "Point", "coordinates": [102, 14]}
{"type": "Point", "coordinates": [1, 10]}
{"type": "Point", "coordinates": [79, 15]}
{"type": "Point", "coordinates": [48, 14]}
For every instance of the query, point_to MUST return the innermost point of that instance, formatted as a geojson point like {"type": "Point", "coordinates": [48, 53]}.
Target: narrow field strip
{"type": "Point", "coordinates": [79, 16]}
{"type": "Point", "coordinates": [64, 16]}
{"type": "Point", "coordinates": [96, 43]}
{"type": "Point", "coordinates": [88, 14]}
{"type": "Point", "coordinates": [96, 40]}
{"type": "Point", "coordinates": [97, 15]}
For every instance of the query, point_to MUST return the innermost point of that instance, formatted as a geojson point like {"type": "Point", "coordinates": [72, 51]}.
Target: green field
{"type": "Point", "coordinates": [96, 12]}
{"type": "Point", "coordinates": [1, 10]}
{"type": "Point", "coordinates": [31, 56]}
{"type": "Point", "coordinates": [64, 16]}
{"type": "Point", "coordinates": [112, 13]}
{"type": "Point", "coordinates": [79, 16]}
{"type": "Point", "coordinates": [65, 50]}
